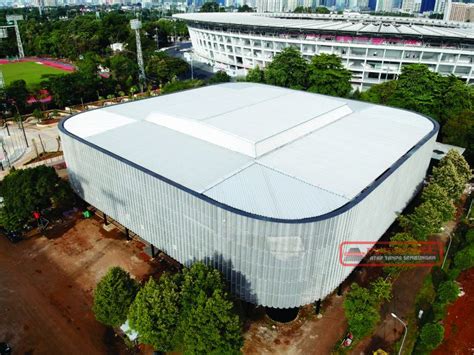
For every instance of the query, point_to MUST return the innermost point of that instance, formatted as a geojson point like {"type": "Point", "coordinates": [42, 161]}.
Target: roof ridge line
{"type": "Point", "coordinates": [303, 181]}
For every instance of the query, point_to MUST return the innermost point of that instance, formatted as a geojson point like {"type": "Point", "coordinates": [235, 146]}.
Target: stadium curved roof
{"type": "Point", "coordinates": [361, 25]}
{"type": "Point", "coordinates": [267, 151]}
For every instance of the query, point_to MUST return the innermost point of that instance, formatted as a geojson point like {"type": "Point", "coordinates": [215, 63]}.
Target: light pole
{"type": "Point", "coordinates": [447, 251]}
{"type": "Point", "coordinates": [136, 24]}
{"type": "Point", "coordinates": [404, 335]}
{"type": "Point", "coordinates": [14, 19]}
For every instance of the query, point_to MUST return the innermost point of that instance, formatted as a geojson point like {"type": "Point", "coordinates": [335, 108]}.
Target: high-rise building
{"type": "Point", "coordinates": [440, 6]}
{"type": "Point", "coordinates": [384, 6]}
{"type": "Point", "coordinates": [427, 6]}
{"type": "Point", "coordinates": [458, 11]}
{"type": "Point", "coordinates": [372, 4]}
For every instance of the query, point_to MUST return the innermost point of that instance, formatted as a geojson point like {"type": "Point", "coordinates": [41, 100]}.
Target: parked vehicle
{"type": "Point", "coordinates": [5, 349]}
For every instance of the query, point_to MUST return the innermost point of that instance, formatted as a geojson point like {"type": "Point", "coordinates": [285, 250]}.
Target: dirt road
{"type": "Point", "coordinates": [46, 290]}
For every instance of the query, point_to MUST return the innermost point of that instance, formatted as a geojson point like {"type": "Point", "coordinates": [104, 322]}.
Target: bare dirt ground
{"type": "Point", "coordinates": [306, 335]}
{"type": "Point", "coordinates": [459, 336]}
{"type": "Point", "coordinates": [46, 285]}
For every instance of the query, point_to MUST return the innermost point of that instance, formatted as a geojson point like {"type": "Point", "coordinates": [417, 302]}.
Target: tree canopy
{"type": "Point", "coordinates": [288, 69]}
{"type": "Point", "coordinates": [210, 7]}
{"type": "Point", "coordinates": [447, 99]}
{"type": "Point", "coordinates": [219, 77]}
{"type": "Point", "coordinates": [29, 190]}
{"type": "Point", "coordinates": [328, 76]}
{"type": "Point", "coordinates": [431, 336]}
{"type": "Point", "coordinates": [113, 296]}
{"type": "Point", "coordinates": [155, 311]}
{"type": "Point", "coordinates": [164, 68]}
{"type": "Point", "coordinates": [190, 311]}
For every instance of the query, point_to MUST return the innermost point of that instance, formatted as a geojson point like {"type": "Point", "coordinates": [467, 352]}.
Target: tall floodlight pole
{"type": "Point", "coordinates": [15, 19]}
{"type": "Point", "coordinates": [2, 81]}
{"type": "Point", "coordinates": [40, 7]}
{"type": "Point", "coordinates": [136, 25]}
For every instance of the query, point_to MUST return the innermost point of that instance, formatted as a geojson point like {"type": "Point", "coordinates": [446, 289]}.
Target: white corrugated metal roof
{"type": "Point", "coordinates": [370, 24]}
{"type": "Point", "coordinates": [313, 153]}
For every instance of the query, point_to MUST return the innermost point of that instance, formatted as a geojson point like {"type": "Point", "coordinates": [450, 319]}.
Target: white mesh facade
{"type": "Point", "coordinates": [273, 263]}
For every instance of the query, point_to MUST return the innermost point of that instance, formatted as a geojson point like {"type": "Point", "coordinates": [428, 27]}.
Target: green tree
{"type": "Point", "coordinates": [431, 335]}
{"type": "Point", "coordinates": [381, 93]}
{"type": "Point", "coordinates": [381, 289]}
{"type": "Point", "coordinates": [255, 75]}
{"type": "Point", "coordinates": [28, 190]}
{"type": "Point", "coordinates": [322, 10]}
{"type": "Point", "coordinates": [464, 259]}
{"type": "Point", "coordinates": [113, 296]}
{"type": "Point", "coordinates": [164, 68]}
{"type": "Point", "coordinates": [448, 291]}
{"type": "Point", "coordinates": [459, 130]}
{"type": "Point", "coordinates": [210, 7]}
{"type": "Point", "coordinates": [211, 326]}
{"type": "Point", "coordinates": [303, 10]}
{"type": "Point", "coordinates": [17, 93]}
{"type": "Point", "coordinates": [208, 323]}
{"type": "Point", "coordinates": [219, 77]}
{"type": "Point", "coordinates": [154, 313]}
{"type": "Point", "coordinates": [328, 76]}
{"type": "Point", "coordinates": [417, 89]}
{"type": "Point", "coordinates": [180, 85]}
{"type": "Point", "coordinates": [439, 198]}
{"type": "Point", "coordinates": [288, 69]}
{"type": "Point", "coordinates": [462, 167]}
{"type": "Point", "coordinates": [244, 8]}
{"type": "Point", "coordinates": [361, 314]}
{"type": "Point", "coordinates": [401, 243]}
{"type": "Point", "coordinates": [124, 70]}
{"type": "Point", "coordinates": [424, 221]}
{"type": "Point", "coordinates": [447, 176]}
{"type": "Point", "coordinates": [453, 98]}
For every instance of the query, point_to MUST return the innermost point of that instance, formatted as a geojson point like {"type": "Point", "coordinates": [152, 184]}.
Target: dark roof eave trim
{"type": "Point", "coordinates": [361, 196]}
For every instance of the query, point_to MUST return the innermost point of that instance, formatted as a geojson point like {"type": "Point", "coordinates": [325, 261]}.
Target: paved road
{"type": "Point", "coordinates": [33, 133]}
{"type": "Point", "coordinates": [200, 70]}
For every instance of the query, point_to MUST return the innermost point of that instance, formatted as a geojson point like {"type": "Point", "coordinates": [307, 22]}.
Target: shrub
{"type": "Point", "coordinates": [361, 314]}
{"type": "Point", "coordinates": [431, 335]}
{"type": "Point", "coordinates": [464, 259]}
{"type": "Point", "coordinates": [448, 291]}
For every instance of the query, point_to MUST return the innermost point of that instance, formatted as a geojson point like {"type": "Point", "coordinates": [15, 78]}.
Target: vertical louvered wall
{"type": "Point", "coordinates": [271, 264]}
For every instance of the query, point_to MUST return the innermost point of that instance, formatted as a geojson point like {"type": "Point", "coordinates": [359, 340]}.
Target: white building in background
{"type": "Point", "coordinates": [264, 183]}
{"type": "Point", "coordinates": [373, 48]}
{"type": "Point", "coordinates": [440, 6]}
{"type": "Point", "coordinates": [458, 11]}
{"type": "Point", "coordinates": [411, 6]}
{"type": "Point", "coordinates": [269, 5]}
{"type": "Point", "coordinates": [384, 6]}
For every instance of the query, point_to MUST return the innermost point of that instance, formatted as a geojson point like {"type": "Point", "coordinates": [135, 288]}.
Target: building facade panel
{"type": "Point", "coordinates": [267, 262]}
{"type": "Point", "coordinates": [371, 57]}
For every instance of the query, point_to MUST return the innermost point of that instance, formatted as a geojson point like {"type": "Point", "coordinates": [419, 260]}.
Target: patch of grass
{"type": "Point", "coordinates": [426, 295]}
{"type": "Point", "coordinates": [410, 340]}
{"type": "Point", "coordinates": [30, 72]}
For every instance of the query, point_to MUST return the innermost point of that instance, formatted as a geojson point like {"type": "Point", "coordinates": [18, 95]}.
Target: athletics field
{"type": "Point", "coordinates": [30, 71]}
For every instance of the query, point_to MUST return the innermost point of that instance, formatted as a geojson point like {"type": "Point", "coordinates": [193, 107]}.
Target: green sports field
{"type": "Point", "coordinates": [30, 72]}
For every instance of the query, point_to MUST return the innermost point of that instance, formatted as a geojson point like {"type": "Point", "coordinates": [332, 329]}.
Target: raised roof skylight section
{"type": "Point", "coordinates": [258, 127]}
